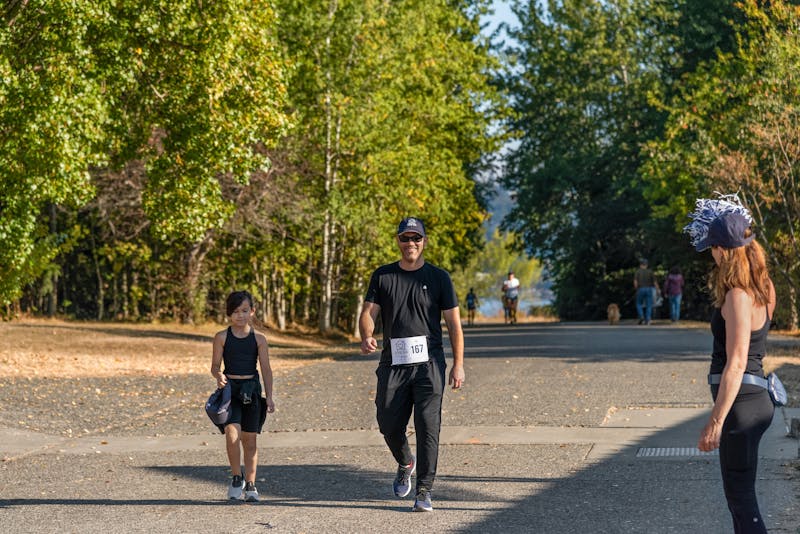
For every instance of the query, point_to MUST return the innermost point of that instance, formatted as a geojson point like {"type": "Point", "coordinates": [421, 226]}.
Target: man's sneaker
{"type": "Point", "coordinates": [423, 501]}
{"type": "Point", "coordinates": [250, 492]}
{"type": "Point", "coordinates": [402, 482]}
{"type": "Point", "coordinates": [235, 489]}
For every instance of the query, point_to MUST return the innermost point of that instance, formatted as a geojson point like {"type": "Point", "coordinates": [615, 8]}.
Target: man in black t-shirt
{"type": "Point", "coordinates": [411, 296]}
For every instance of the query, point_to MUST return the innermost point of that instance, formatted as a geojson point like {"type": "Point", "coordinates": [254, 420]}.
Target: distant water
{"type": "Point", "coordinates": [492, 307]}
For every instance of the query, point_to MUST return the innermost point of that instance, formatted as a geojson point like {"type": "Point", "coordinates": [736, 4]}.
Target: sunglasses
{"type": "Point", "coordinates": [406, 238]}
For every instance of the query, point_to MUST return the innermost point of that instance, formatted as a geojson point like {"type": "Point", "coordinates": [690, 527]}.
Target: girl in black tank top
{"type": "Point", "coordinates": [239, 347]}
{"type": "Point", "coordinates": [240, 354]}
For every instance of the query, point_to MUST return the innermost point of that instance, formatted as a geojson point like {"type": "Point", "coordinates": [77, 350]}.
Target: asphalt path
{"type": "Point", "coordinates": [551, 433]}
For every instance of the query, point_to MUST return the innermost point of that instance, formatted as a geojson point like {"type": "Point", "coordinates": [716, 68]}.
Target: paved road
{"type": "Point", "coordinates": [563, 428]}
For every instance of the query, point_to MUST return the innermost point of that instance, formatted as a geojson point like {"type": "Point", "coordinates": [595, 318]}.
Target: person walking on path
{"type": "Point", "coordinates": [673, 290]}
{"type": "Point", "coordinates": [511, 297]}
{"type": "Point", "coordinates": [239, 347]}
{"type": "Point", "coordinates": [744, 302]}
{"type": "Point", "coordinates": [644, 282]}
{"type": "Point", "coordinates": [411, 296]}
{"type": "Point", "coordinates": [472, 304]}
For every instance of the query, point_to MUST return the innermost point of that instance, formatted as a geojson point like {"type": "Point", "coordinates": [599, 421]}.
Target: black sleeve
{"type": "Point", "coordinates": [448, 299]}
{"type": "Point", "coordinates": [373, 295]}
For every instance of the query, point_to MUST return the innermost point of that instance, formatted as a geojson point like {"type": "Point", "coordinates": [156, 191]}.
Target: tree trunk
{"type": "Point", "coordinates": [336, 276]}
{"type": "Point", "coordinates": [307, 295]}
{"type": "Point", "coordinates": [52, 302]}
{"type": "Point", "coordinates": [326, 267]}
{"type": "Point", "coordinates": [280, 300]}
{"type": "Point", "coordinates": [194, 267]}
{"type": "Point", "coordinates": [332, 137]}
{"type": "Point", "coordinates": [134, 294]}
{"type": "Point", "coordinates": [265, 295]}
{"type": "Point", "coordinates": [125, 294]}
{"type": "Point", "coordinates": [794, 320]}
{"type": "Point", "coordinates": [359, 291]}
{"type": "Point", "coordinates": [155, 313]}
{"type": "Point", "coordinates": [359, 306]}
{"type": "Point", "coordinates": [115, 297]}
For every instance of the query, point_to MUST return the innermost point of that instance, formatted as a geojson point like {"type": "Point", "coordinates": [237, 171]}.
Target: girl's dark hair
{"type": "Point", "coordinates": [675, 270]}
{"type": "Point", "coordinates": [235, 300]}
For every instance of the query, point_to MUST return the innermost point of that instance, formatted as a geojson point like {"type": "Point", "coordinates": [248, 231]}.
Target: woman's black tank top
{"type": "Point", "coordinates": [240, 354]}
{"type": "Point", "coordinates": [755, 353]}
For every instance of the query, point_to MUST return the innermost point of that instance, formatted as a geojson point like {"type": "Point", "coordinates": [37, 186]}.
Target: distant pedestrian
{"type": "Point", "coordinates": [472, 304]}
{"type": "Point", "coordinates": [744, 302]}
{"type": "Point", "coordinates": [673, 290]}
{"type": "Point", "coordinates": [239, 346]}
{"type": "Point", "coordinates": [411, 296]}
{"type": "Point", "coordinates": [644, 282]}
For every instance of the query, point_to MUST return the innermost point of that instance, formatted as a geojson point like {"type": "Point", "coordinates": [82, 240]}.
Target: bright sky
{"type": "Point", "coordinates": [502, 13]}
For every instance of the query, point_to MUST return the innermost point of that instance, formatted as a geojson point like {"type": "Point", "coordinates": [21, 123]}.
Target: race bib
{"type": "Point", "coordinates": [407, 350]}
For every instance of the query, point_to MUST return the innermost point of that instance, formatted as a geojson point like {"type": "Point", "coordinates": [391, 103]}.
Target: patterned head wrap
{"type": "Point", "coordinates": [728, 215]}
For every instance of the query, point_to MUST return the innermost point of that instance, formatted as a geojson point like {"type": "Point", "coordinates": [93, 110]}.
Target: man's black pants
{"type": "Point", "coordinates": [401, 388]}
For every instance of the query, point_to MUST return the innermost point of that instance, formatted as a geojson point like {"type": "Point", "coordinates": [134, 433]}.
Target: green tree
{"type": "Point", "coordinates": [394, 106]}
{"type": "Point", "coordinates": [52, 117]}
{"type": "Point", "coordinates": [732, 129]}
{"type": "Point", "coordinates": [582, 84]}
{"type": "Point", "coordinates": [192, 90]}
{"type": "Point", "coordinates": [202, 87]}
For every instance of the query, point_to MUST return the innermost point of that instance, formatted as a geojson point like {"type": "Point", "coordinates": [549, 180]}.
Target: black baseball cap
{"type": "Point", "coordinates": [411, 224]}
{"type": "Point", "coordinates": [726, 231]}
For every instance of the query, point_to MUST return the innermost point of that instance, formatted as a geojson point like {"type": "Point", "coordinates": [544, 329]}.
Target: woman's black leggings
{"type": "Point", "coordinates": [750, 416]}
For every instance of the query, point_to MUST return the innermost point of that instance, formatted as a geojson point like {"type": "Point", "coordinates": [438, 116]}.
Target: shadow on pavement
{"type": "Point", "coordinates": [158, 334]}
{"type": "Point", "coordinates": [127, 332]}
{"type": "Point", "coordinates": [324, 485]}
{"type": "Point", "coordinates": [5, 503]}
{"type": "Point", "coordinates": [586, 342]}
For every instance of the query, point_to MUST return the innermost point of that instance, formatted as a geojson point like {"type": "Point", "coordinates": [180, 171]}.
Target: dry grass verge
{"type": "Point", "coordinates": [64, 349]}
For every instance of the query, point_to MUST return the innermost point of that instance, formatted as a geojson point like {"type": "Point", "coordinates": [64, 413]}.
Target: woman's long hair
{"type": "Point", "coordinates": [743, 267]}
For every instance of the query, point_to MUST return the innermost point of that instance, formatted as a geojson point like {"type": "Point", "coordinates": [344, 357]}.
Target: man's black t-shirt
{"type": "Point", "coordinates": [411, 304]}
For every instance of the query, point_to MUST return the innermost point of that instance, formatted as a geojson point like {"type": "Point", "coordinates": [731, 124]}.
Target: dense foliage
{"type": "Point", "coordinates": [629, 110]}
{"type": "Point", "coordinates": [156, 155]}
{"type": "Point", "coordinates": [733, 128]}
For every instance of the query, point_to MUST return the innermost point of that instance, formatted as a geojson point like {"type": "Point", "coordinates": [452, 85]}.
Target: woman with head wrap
{"type": "Point", "coordinates": [744, 302]}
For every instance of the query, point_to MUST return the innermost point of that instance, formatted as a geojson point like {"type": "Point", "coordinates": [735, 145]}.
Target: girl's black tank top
{"type": "Point", "coordinates": [755, 353]}
{"type": "Point", "coordinates": [240, 354]}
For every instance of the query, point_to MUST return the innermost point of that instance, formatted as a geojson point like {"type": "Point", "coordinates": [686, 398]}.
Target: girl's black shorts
{"type": "Point", "coordinates": [246, 414]}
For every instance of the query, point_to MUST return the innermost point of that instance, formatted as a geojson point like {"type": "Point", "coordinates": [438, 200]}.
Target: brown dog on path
{"type": "Point", "coordinates": [613, 313]}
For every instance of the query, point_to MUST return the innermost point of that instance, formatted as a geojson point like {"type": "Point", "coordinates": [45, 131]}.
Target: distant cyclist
{"type": "Point", "coordinates": [511, 297]}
